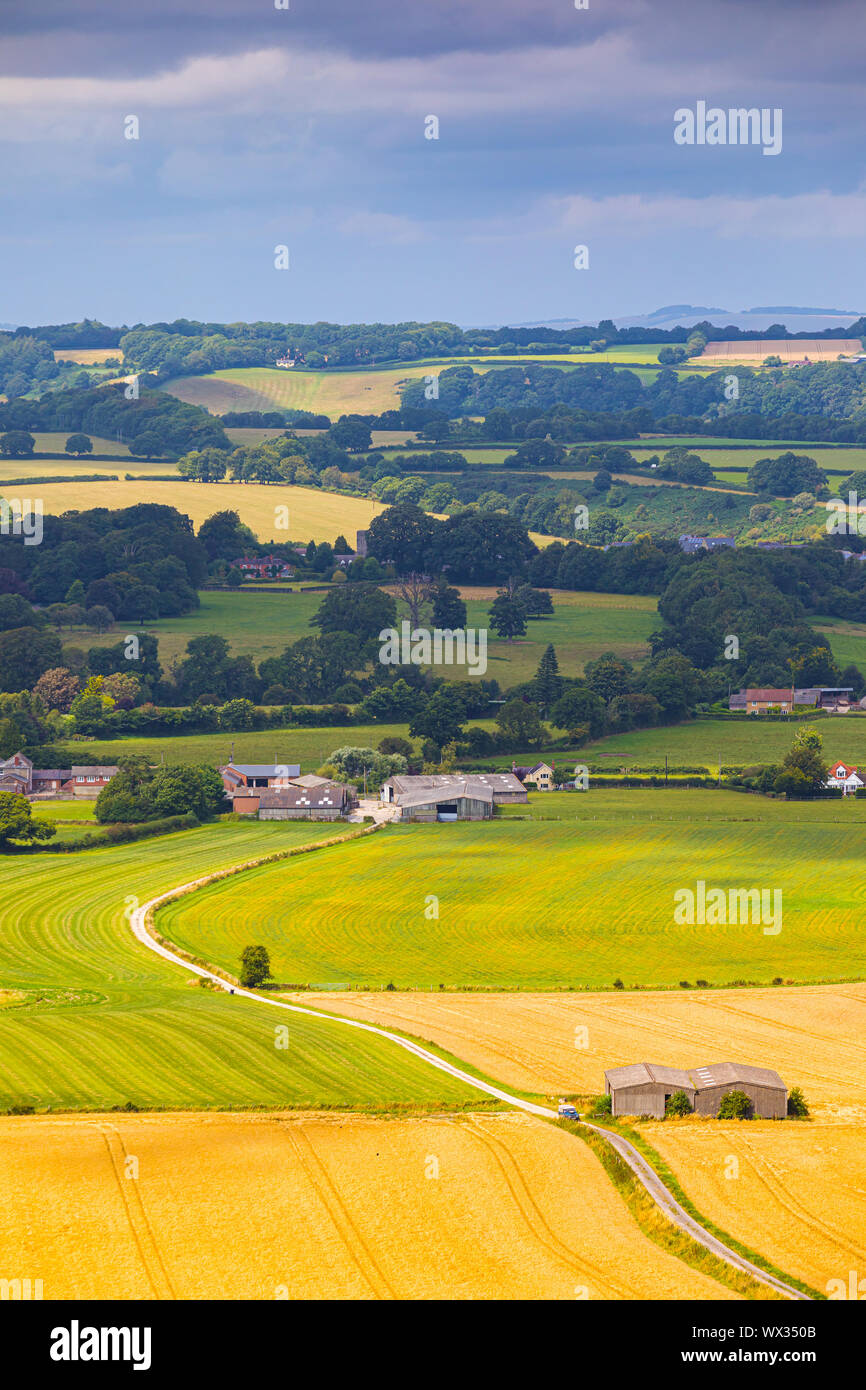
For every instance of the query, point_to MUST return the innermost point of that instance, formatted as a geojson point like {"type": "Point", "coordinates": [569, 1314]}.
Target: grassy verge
{"type": "Point", "coordinates": [670, 1180]}
{"type": "Point", "coordinates": [657, 1228]}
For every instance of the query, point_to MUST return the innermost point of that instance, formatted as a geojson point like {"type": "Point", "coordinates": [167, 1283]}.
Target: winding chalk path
{"type": "Point", "coordinates": [643, 1171]}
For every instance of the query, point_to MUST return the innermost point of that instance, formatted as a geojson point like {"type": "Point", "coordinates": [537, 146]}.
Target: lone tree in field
{"type": "Point", "coordinates": [804, 769]}
{"type": "Point", "coordinates": [449, 610]}
{"type": "Point", "coordinates": [736, 1105]}
{"type": "Point", "coordinates": [507, 617]}
{"type": "Point", "coordinates": [678, 1104]}
{"type": "Point", "coordinates": [255, 966]}
{"type": "Point", "coordinates": [17, 444]}
{"type": "Point", "coordinates": [79, 444]}
{"type": "Point", "coordinates": [416, 591]}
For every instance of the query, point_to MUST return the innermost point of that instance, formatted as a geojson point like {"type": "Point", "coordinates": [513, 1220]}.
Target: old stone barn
{"type": "Point", "coordinates": [644, 1088]}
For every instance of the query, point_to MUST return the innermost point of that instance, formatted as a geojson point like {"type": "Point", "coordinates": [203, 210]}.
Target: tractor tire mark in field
{"type": "Point", "coordinates": [536, 1223]}
{"type": "Point", "coordinates": [832, 1040]}
{"type": "Point", "coordinates": [769, 1178]}
{"type": "Point", "coordinates": [325, 1189]}
{"type": "Point", "coordinates": [645, 1173]}
{"type": "Point", "coordinates": [139, 1225]}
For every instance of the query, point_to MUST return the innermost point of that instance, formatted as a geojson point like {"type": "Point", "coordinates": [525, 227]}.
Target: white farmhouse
{"type": "Point", "coordinates": [848, 778]}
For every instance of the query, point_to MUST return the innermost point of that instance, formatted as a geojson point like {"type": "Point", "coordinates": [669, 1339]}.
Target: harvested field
{"type": "Point", "coordinates": [789, 349]}
{"type": "Point", "coordinates": [468, 1207]}
{"type": "Point", "coordinates": [813, 1036]}
{"type": "Point", "coordinates": [87, 357]}
{"type": "Point", "coordinates": [332, 393]}
{"type": "Point", "coordinates": [796, 1192]}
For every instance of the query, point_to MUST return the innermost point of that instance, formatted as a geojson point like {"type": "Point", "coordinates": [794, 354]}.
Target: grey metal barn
{"type": "Point", "coordinates": [643, 1088]}
{"type": "Point", "coordinates": [451, 796]}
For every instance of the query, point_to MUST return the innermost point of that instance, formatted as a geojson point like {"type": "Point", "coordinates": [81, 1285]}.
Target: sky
{"type": "Point", "coordinates": [306, 127]}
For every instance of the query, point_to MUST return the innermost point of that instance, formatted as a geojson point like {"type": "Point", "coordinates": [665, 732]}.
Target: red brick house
{"type": "Point", "coordinates": [17, 774]}
{"type": "Point", "coordinates": [264, 567]}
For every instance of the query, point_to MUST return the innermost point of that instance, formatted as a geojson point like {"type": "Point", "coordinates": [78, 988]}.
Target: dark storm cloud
{"type": "Point", "coordinates": [260, 125]}
{"type": "Point", "coordinates": [85, 36]}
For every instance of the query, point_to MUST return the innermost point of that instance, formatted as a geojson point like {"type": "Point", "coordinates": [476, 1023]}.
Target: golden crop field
{"type": "Point", "coordinates": [88, 357]}
{"type": "Point", "coordinates": [812, 1035]}
{"type": "Point", "coordinates": [331, 393]}
{"type": "Point", "coordinates": [789, 349]}
{"type": "Point", "coordinates": [321, 1207]}
{"type": "Point", "coordinates": [796, 1192]}
{"type": "Point", "coordinates": [313, 514]}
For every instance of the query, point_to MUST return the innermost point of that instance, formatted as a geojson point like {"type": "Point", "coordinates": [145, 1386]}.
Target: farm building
{"type": "Point", "coordinates": [264, 567]}
{"type": "Point", "coordinates": [450, 796]}
{"type": "Point", "coordinates": [239, 777]}
{"type": "Point", "coordinates": [541, 776]}
{"type": "Point", "coordinates": [644, 1088]}
{"type": "Point", "coordinates": [692, 544]}
{"type": "Point", "coordinates": [326, 801]}
{"type": "Point", "coordinates": [836, 700]}
{"type": "Point", "coordinates": [848, 778]}
{"type": "Point", "coordinates": [17, 774]}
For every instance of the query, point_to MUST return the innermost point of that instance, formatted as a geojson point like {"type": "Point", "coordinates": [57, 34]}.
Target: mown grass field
{"type": "Point", "coordinates": [309, 747]}
{"type": "Point", "coordinates": [847, 640]}
{"type": "Point", "coordinates": [93, 1019]}
{"type": "Point", "coordinates": [540, 905]}
{"type": "Point", "coordinates": [745, 742]}
{"type": "Point", "coordinates": [261, 624]}
{"type": "Point", "coordinates": [563, 1043]}
{"type": "Point", "coordinates": [699, 743]}
{"type": "Point", "coordinates": [65, 810]}
{"type": "Point", "coordinates": [257, 624]}
{"type": "Point", "coordinates": [348, 1208]}
{"type": "Point", "coordinates": [793, 1191]}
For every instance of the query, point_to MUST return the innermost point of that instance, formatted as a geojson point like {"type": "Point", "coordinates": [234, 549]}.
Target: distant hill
{"type": "Point", "coordinates": [795, 318]}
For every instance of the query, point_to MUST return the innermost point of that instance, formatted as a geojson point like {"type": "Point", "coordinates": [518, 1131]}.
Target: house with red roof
{"type": "Point", "coordinates": [848, 778]}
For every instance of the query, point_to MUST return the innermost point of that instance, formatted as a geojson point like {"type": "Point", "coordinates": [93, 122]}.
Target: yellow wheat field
{"type": "Point", "coordinates": [324, 1207]}
{"type": "Point", "coordinates": [813, 1036]}
{"type": "Point", "coordinates": [312, 514]}
{"type": "Point", "coordinates": [796, 1192]}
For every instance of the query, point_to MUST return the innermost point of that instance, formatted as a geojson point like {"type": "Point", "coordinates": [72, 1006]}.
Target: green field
{"type": "Point", "coordinates": [262, 623]}
{"type": "Point", "coordinates": [309, 747]}
{"type": "Point", "coordinates": [65, 810]}
{"type": "Point", "coordinates": [837, 461]}
{"type": "Point", "coordinates": [90, 1018]}
{"type": "Point", "coordinates": [549, 904]}
{"type": "Point", "coordinates": [847, 640]}
{"type": "Point", "coordinates": [738, 742]}
{"type": "Point", "coordinates": [255, 624]}
{"type": "Point", "coordinates": [696, 743]}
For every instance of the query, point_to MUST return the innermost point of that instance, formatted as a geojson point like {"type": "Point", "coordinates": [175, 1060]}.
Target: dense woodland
{"type": "Point", "coordinates": [145, 562]}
